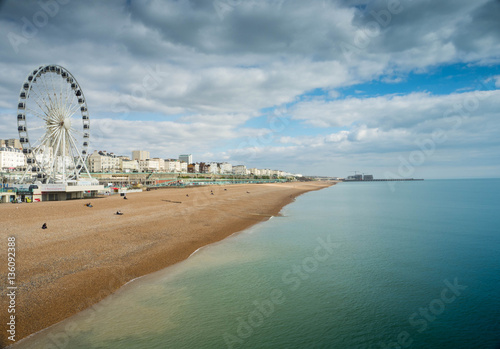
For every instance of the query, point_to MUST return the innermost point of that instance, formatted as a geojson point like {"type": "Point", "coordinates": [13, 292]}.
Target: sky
{"type": "Point", "coordinates": [393, 88]}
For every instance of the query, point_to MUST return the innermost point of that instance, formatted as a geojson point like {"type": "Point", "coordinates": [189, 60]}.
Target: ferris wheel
{"type": "Point", "coordinates": [54, 142]}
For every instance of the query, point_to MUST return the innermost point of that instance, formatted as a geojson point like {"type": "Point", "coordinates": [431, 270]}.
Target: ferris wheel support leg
{"type": "Point", "coordinates": [24, 175]}
{"type": "Point", "coordinates": [64, 156]}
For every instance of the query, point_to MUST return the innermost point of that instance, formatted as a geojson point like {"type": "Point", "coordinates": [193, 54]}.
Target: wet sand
{"type": "Point", "coordinates": [86, 254]}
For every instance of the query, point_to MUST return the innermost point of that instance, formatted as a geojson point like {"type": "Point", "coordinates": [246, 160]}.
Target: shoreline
{"type": "Point", "coordinates": [87, 254]}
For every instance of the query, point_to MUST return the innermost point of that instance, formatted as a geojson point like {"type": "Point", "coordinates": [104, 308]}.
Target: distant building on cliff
{"type": "Point", "coordinates": [11, 143]}
{"type": "Point", "coordinates": [140, 155]}
{"type": "Point", "coordinates": [187, 158]}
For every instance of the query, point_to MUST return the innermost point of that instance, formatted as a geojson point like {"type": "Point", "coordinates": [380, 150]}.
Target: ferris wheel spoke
{"type": "Point", "coordinates": [73, 142]}
{"type": "Point", "coordinates": [38, 103]}
{"type": "Point", "coordinates": [37, 128]}
{"type": "Point", "coordinates": [54, 154]}
{"type": "Point", "coordinates": [63, 167]}
{"type": "Point", "coordinates": [47, 90]}
{"type": "Point", "coordinates": [38, 115]}
{"type": "Point", "coordinates": [79, 154]}
{"type": "Point", "coordinates": [53, 105]}
{"type": "Point", "coordinates": [72, 110]}
{"type": "Point", "coordinates": [61, 93]}
{"type": "Point", "coordinates": [74, 130]}
{"type": "Point", "coordinates": [39, 141]}
{"type": "Point", "coordinates": [53, 131]}
{"type": "Point", "coordinates": [69, 96]}
{"type": "Point", "coordinates": [48, 106]}
{"type": "Point", "coordinates": [44, 90]}
{"type": "Point", "coordinates": [71, 104]}
{"type": "Point", "coordinates": [54, 90]}
{"type": "Point", "coordinates": [60, 98]}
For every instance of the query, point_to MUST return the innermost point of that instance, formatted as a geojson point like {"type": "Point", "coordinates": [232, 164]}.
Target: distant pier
{"type": "Point", "coordinates": [383, 180]}
{"type": "Point", "coordinates": [361, 177]}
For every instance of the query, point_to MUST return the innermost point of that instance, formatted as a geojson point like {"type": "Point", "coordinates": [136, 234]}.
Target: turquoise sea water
{"type": "Point", "coordinates": [357, 265]}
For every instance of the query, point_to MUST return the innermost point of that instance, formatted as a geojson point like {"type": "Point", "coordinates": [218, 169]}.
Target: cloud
{"type": "Point", "coordinates": [497, 81]}
{"type": "Point", "coordinates": [388, 112]}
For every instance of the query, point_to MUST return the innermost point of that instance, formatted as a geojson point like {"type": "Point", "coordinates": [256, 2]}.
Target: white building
{"type": "Point", "coordinates": [149, 165]}
{"type": "Point", "coordinates": [254, 171]}
{"type": "Point", "coordinates": [240, 170]}
{"type": "Point", "coordinates": [275, 173]}
{"type": "Point", "coordinates": [129, 165]}
{"type": "Point", "coordinates": [172, 165]}
{"type": "Point", "coordinates": [184, 167]}
{"type": "Point", "coordinates": [161, 164]}
{"type": "Point", "coordinates": [11, 158]}
{"type": "Point", "coordinates": [140, 155]}
{"type": "Point", "coordinates": [102, 161]}
{"type": "Point", "coordinates": [225, 167]}
{"type": "Point", "coordinates": [212, 168]}
{"type": "Point", "coordinates": [187, 158]}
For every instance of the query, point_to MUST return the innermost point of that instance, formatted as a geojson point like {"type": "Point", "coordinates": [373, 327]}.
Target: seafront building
{"type": "Point", "coordinates": [104, 162]}
{"type": "Point", "coordinates": [11, 143]}
{"type": "Point", "coordinates": [149, 165]}
{"type": "Point", "coordinates": [225, 168]}
{"type": "Point", "coordinates": [184, 167]}
{"type": "Point", "coordinates": [240, 170]}
{"type": "Point", "coordinates": [172, 165]}
{"type": "Point", "coordinates": [110, 169]}
{"type": "Point", "coordinates": [193, 168]}
{"type": "Point", "coordinates": [254, 171]}
{"type": "Point", "coordinates": [101, 161]}
{"type": "Point", "coordinates": [11, 158]}
{"type": "Point", "coordinates": [127, 165]}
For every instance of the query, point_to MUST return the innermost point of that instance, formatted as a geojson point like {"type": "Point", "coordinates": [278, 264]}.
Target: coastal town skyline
{"type": "Point", "coordinates": [334, 90]}
{"type": "Point", "coordinates": [13, 161]}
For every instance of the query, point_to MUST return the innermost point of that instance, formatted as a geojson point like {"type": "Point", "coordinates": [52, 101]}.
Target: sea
{"type": "Point", "coordinates": [356, 265]}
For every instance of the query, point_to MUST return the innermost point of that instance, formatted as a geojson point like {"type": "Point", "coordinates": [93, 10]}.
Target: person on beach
{"type": "Point", "coordinates": [44, 226]}
{"type": "Point", "coordinates": [119, 213]}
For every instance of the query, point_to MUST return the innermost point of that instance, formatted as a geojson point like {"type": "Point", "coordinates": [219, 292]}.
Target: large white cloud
{"type": "Point", "coordinates": [422, 110]}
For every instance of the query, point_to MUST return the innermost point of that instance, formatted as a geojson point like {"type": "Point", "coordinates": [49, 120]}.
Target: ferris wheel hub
{"type": "Point", "coordinates": [66, 123]}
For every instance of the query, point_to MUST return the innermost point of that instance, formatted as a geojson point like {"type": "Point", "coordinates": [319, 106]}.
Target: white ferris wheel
{"type": "Point", "coordinates": [54, 141]}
